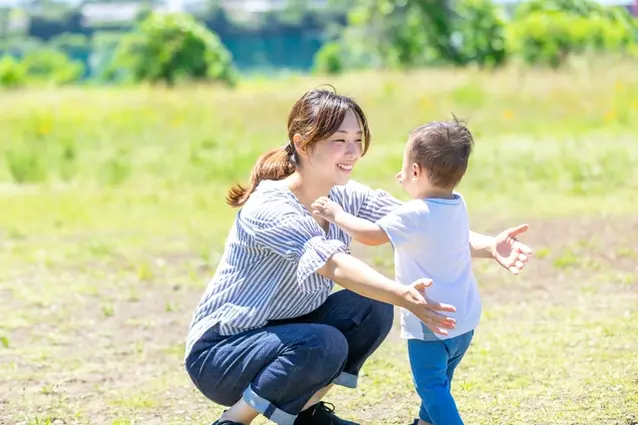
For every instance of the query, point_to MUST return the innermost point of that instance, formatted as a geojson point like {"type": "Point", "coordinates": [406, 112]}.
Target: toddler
{"type": "Point", "coordinates": [430, 238]}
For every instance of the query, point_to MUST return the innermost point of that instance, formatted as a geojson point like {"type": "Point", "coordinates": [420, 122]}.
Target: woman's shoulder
{"type": "Point", "coordinates": [271, 199]}
{"type": "Point", "coordinates": [352, 190]}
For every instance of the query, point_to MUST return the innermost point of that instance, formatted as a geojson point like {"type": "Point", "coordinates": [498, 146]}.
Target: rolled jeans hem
{"type": "Point", "coordinates": [266, 408]}
{"type": "Point", "coordinates": [347, 380]}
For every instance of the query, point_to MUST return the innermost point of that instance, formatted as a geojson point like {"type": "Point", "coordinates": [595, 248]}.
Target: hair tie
{"type": "Point", "coordinates": [289, 148]}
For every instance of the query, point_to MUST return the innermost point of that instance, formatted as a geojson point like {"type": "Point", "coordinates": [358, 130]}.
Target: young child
{"type": "Point", "coordinates": [430, 237]}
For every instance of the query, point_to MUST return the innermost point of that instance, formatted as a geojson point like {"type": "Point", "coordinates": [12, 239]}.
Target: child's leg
{"type": "Point", "coordinates": [457, 347]}
{"type": "Point", "coordinates": [429, 363]}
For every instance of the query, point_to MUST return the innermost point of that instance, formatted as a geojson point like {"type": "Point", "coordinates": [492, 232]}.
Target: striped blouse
{"type": "Point", "coordinates": [268, 269]}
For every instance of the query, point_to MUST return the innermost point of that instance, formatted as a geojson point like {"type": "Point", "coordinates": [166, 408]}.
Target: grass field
{"type": "Point", "coordinates": [112, 219]}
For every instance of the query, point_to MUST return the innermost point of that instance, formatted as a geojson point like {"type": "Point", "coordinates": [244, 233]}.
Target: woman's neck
{"type": "Point", "coordinates": [306, 189]}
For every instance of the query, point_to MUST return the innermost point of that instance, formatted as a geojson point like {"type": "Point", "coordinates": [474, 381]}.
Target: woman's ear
{"type": "Point", "coordinates": [297, 141]}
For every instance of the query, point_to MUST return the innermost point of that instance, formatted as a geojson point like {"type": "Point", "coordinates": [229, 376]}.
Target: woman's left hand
{"type": "Point", "coordinates": [508, 251]}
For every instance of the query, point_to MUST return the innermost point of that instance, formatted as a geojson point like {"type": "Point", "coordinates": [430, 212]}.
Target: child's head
{"type": "Point", "coordinates": [435, 157]}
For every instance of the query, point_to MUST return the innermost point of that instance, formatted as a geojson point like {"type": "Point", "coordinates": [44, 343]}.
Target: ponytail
{"type": "Point", "coordinates": [276, 164]}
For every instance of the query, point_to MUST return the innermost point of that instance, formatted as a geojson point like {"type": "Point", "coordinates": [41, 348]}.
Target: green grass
{"type": "Point", "coordinates": [112, 220]}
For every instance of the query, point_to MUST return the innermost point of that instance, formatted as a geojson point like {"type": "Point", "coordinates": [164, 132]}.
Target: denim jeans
{"type": "Point", "coordinates": [433, 364]}
{"type": "Point", "coordinates": [279, 367]}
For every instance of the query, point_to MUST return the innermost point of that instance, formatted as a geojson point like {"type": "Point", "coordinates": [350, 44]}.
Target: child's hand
{"type": "Point", "coordinates": [326, 208]}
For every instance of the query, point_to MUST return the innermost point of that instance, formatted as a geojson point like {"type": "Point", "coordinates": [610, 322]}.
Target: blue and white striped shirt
{"type": "Point", "coordinates": [268, 269]}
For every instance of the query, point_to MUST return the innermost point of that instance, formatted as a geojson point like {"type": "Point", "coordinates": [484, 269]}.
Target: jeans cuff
{"type": "Point", "coordinates": [267, 409]}
{"type": "Point", "coordinates": [346, 379]}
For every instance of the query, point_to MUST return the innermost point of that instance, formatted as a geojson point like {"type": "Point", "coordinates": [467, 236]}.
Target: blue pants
{"type": "Point", "coordinates": [279, 367]}
{"type": "Point", "coordinates": [433, 364]}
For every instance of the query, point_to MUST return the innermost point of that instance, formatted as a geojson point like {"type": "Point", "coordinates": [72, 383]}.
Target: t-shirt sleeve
{"type": "Point", "coordinates": [287, 232]}
{"type": "Point", "coordinates": [406, 224]}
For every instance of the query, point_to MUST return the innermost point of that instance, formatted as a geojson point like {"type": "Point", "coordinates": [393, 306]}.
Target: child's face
{"type": "Point", "coordinates": [411, 177]}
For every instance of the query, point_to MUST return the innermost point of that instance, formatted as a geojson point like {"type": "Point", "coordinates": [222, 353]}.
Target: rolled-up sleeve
{"type": "Point", "coordinates": [373, 204]}
{"type": "Point", "coordinates": [293, 236]}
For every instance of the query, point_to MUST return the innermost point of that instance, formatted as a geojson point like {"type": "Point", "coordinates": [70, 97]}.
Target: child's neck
{"type": "Point", "coordinates": [435, 192]}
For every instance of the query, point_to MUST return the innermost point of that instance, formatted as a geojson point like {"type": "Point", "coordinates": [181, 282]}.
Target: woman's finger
{"type": "Point", "coordinates": [436, 329]}
{"type": "Point", "coordinates": [433, 305]}
{"type": "Point", "coordinates": [439, 319]}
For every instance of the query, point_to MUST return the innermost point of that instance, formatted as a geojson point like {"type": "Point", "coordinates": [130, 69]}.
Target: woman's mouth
{"type": "Point", "coordinates": [345, 168]}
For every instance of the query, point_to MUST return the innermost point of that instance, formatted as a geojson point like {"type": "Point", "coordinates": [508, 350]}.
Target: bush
{"type": "Point", "coordinates": [482, 29]}
{"type": "Point", "coordinates": [584, 8]}
{"type": "Point", "coordinates": [52, 67]}
{"type": "Point", "coordinates": [547, 33]}
{"type": "Point", "coordinates": [329, 59]}
{"type": "Point", "coordinates": [169, 47]}
{"type": "Point", "coordinates": [12, 72]}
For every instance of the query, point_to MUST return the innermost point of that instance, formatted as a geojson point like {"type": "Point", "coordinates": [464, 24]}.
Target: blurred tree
{"type": "Point", "coordinates": [411, 33]}
{"type": "Point", "coordinates": [482, 32]}
{"type": "Point", "coordinates": [169, 47]}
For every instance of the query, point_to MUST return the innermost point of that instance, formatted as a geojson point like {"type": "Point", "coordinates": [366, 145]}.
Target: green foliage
{"type": "Point", "coordinates": [548, 32]}
{"type": "Point", "coordinates": [12, 72]}
{"type": "Point", "coordinates": [52, 67]}
{"type": "Point", "coordinates": [482, 27]}
{"type": "Point", "coordinates": [403, 34]}
{"type": "Point", "coordinates": [170, 47]}
{"type": "Point", "coordinates": [411, 33]}
{"type": "Point", "coordinates": [582, 8]}
{"type": "Point", "coordinates": [329, 59]}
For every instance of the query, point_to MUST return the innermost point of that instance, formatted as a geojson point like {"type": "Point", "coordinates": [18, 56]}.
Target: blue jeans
{"type": "Point", "coordinates": [279, 367]}
{"type": "Point", "coordinates": [433, 364]}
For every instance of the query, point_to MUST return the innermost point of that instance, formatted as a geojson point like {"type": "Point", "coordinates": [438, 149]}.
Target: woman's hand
{"type": "Point", "coordinates": [508, 251]}
{"type": "Point", "coordinates": [427, 309]}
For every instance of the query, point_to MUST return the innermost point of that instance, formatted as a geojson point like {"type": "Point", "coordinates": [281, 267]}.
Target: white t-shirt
{"type": "Point", "coordinates": [430, 238]}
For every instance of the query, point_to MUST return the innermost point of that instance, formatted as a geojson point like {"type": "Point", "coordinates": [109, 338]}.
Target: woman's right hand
{"type": "Point", "coordinates": [426, 309]}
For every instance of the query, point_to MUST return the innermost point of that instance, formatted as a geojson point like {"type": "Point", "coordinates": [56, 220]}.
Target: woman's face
{"type": "Point", "coordinates": [331, 161]}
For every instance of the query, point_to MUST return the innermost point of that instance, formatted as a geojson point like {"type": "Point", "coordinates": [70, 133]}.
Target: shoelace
{"type": "Point", "coordinates": [323, 405]}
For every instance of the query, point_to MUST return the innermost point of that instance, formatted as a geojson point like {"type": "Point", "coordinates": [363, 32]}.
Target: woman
{"type": "Point", "coordinates": [268, 337]}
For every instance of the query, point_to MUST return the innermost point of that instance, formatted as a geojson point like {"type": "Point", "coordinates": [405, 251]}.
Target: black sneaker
{"type": "Point", "coordinates": [225, 422]}
{"type": "Point", "coordinates": [321, 414]}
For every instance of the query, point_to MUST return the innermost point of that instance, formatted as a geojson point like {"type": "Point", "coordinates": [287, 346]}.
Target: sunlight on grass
{"type": "Point", "coordinates": [112, 219]}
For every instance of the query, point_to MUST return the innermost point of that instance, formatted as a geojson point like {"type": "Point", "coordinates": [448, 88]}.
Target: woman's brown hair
{"type": "Point", "coordinates": [315, 116]}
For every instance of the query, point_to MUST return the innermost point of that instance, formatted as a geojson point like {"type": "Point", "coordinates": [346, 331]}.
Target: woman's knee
{"type": "Point", "coordinates": [212, 382]}
{"type": "Point", "coordinates": [382, 315]}
{"type": "Point", "coordinates": [324, 353]}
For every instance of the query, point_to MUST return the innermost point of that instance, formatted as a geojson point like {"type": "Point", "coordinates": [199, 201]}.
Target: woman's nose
{"type": "Point", "coordinates": [353, 149]}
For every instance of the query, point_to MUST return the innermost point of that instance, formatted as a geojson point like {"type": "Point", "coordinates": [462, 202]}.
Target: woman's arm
{"type": "Point", "coordinates": [358, 277]}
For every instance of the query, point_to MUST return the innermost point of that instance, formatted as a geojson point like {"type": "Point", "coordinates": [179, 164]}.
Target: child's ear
{"type": "Point", "coordinates": [416, 170]}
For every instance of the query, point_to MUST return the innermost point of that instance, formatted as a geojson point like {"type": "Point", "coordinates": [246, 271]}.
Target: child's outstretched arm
{"type": "Point", "coordinates": [359, 229]}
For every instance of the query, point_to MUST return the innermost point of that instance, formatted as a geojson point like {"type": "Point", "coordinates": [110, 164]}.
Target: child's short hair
{"type": "Point", "coordinates": [443, 148]}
